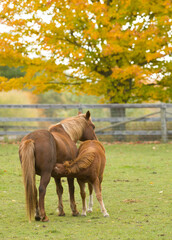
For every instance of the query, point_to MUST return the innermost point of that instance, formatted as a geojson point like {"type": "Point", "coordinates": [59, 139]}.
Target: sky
{"type": "Point", "coordinates": [4, 28]}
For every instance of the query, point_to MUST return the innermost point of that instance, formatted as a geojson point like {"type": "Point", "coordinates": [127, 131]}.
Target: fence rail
{"type": "Point", "coordinates": [162, 110]}
{"type": "Point", "coordinates": [82, 106]}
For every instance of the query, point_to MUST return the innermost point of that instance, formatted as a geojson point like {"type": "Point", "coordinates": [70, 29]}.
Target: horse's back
{"type": "Point", "coordinates": [93, 146]}
{"type": "Point", "coordinates": [44, 150]}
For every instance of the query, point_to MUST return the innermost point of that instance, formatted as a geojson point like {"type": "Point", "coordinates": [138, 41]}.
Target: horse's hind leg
{"type": "Point", "coordinates": [72, 197]}
{"type": "Point", "coordinates": [90, 204]}
{"type": "Point", "coordinates": [45, 179]}
{"type": "Point", "coordinates": [37, 216]}
{"type": "Point", "coordinates": [97, 189]}
{"type": "Point", "coordinates": [83, 196]}
{"type": "Point", "coordinates": [59, 190]}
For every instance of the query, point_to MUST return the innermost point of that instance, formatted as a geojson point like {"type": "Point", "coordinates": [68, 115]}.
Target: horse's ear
{"type": "Point", "coordinates": [79, 112]}
{"type": "Point", "coordinates": [88, 115]}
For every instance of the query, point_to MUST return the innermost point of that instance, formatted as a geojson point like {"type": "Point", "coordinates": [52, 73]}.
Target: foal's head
{"type": "Point", "coordinates": [60, 170]}
{"type": "Point", "coordinates": [88, 132]}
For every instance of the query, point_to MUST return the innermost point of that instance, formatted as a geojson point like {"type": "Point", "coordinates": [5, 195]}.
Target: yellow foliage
{"type": "Point", "coordinates": [113, 47]}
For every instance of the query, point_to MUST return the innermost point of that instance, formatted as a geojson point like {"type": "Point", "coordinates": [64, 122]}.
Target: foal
{"type": "Point", "coordinates": [87, 167]}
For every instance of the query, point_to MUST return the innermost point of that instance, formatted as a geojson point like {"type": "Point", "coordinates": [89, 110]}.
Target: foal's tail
{"type": "Point", "coordinates": [27, 157]}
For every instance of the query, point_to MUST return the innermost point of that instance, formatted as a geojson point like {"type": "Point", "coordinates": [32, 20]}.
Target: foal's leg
{"type": "Point", "coordinates": [59, 190]}
{"type": "Point", "coordinates": [45, 179]}
{"type": "Point", "coordinates": [72, 197]}
{"type": "Point", "coordinates": [90, 205]}
{"type": "Point", "coordinates": [83, 196]}
{"type": "Point", "coordinates": [97, 189]}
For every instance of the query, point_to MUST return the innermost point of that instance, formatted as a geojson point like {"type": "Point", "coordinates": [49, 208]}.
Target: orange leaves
{"type": "Point", "coordinates": [3, 79]}
{"type": "Point", "coordinates": [115, 33]}
{"type": "Point", "coordinates": [91, 32]}
{"type": "Point", "coordinates": [8, 84]}
{"type": "Point", "coordinates": [153, 56]}
{"type": "Point", "coordinates": [127, 72]}
{"type": "Point", "coordinates": [112, 48]}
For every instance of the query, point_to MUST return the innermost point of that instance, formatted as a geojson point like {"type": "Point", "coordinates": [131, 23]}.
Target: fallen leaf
{"type": "Point", "coordinates": [131, 200]}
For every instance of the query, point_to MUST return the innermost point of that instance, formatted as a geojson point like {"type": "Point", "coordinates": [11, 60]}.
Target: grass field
{"type": "Point", "coordinates": [137, 192]}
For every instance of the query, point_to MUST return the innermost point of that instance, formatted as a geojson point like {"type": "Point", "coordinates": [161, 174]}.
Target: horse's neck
{"type": "Point", "coordinates": [58, 131]}
{"type": "Point", "coordinates": [74, 133]}
{"type": "Point", "coordinates": [73, 128]}
{"type": "Point", "coordinates": [66, 148]}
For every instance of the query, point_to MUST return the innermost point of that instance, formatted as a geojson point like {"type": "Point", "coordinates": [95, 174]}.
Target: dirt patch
{"type": "Point", "coordinates": [131, 201]}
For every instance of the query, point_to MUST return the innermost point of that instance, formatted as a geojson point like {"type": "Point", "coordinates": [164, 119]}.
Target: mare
{"type": "Point", "coordinates": [40, 150]}
{"type": "Point", "coordinates": [87, 167]}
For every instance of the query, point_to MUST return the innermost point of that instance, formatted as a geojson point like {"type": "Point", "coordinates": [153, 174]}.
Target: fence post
{"type": "Point", "coordinates": [163, 124]}
{"type": "Point", "coordinates": [80, 110]}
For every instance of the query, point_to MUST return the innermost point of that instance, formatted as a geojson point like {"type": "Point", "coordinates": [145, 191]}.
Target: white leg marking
{"type": "Point", "coordinates": [103, 209]}
{"type": "Point", "coordinates": [90, 206]}
{"type": "Point", "coordinates": [84, 207]}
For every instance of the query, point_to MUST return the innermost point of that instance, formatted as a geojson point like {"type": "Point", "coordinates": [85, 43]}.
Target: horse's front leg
{"type": "Point", "coordinates": [72, 197]}
{"type": "Point", "coordinates": [59, 190]}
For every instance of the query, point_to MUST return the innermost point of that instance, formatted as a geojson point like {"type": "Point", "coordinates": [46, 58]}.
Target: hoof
{"type": "Point", "coordinates": [83, 214]}
{"type": "Point", "coordinates": [89, 210]}
{"type": "Point", "coordinates": [106, 215]}
{"type": "Point", "coordinates": [37, 218]}
{"type": "Point", "coordinates": [75, 214]}
{"type": "Point", "coordinates": [61, 214]}
{"type": "Point", "coordinates": [45, 219]}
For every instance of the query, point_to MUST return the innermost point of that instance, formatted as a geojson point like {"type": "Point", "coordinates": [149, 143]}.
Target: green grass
{"type": "Point", "coordinates": [137, 192]}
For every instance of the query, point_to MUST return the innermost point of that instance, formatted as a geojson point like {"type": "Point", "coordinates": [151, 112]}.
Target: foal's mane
{"type": "Point", "coordinates": [82, 162]}
{"type": "Point", "coordinates": [73, 126]}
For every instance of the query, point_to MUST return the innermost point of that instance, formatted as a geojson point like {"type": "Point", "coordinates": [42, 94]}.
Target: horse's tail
{"type": "Point", "coordinates": [26, 151]}
{"type": "Point", "coordinates": [80, 163]}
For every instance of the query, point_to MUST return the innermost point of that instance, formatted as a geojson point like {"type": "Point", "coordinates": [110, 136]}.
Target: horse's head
{"type": "Point", "coordinates": [88, 131]}
{"type": "Point", "coordinates": [79, 127]}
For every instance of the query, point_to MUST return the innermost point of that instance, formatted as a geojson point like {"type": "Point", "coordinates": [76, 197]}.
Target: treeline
{"type": "Point", "coordinates": [11, 72]}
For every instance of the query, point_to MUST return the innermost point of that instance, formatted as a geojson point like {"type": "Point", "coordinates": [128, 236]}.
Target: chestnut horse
{"type": "Point", "coordinates": [87, 167]}
{"type": "Point", "coordinates": [40, 150]}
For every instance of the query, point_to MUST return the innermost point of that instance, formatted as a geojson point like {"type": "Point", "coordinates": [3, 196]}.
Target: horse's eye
{"type": "Point", "coordinates": [93, 127]}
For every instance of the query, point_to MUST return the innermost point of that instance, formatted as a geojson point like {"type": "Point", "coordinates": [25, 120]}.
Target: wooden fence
{"type": "Point", "coordinates": [162, 110]}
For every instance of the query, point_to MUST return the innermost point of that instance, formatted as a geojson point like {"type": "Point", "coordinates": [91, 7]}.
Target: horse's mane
{"type": "Point", "coordinates": [73, 126]}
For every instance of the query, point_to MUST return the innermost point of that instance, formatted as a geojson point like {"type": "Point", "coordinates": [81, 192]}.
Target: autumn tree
{"type": "Point", "coordinates": [117, 49]}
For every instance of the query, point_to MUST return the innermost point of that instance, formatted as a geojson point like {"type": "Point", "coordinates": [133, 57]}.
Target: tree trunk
{"type": "Point", "coordinates": [118, 112]}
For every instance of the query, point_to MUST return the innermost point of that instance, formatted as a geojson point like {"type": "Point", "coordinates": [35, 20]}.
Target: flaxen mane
{"type": "Point", "coordinates": [73, 126]}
